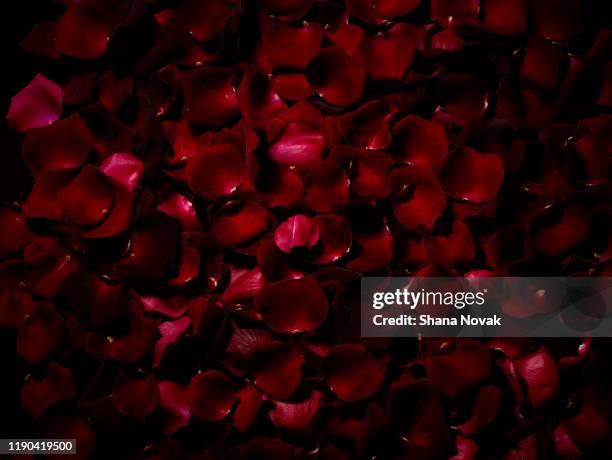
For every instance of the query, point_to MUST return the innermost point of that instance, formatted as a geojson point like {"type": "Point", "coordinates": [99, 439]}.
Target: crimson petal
{"type": "Point", "coordinates": [420, 142]}
{"type": "Point", "coordinates": [327, 185]}
{"type": "Point", "coordinates": [210, 96]}
{"type": "Point", "coordinates": [277, 369]}
{"type": "Point", "coordinates": [84, 31]}
{"type": "Point", "coordinates": [210, 396]}
{"type": "Point", "coordinates": [240, 223]}
{"type": "Point", "coordinates": [336, 77]}
{"type": "Point", "coordinates": [306, 41]}
{"type": "Point", "coordinates": [351, 373]}
{"type": "Point", "coordinates": [386, 56]}
{"type": "Point", "coordinates": [456, 247]}
{"type": "Point", "coordinates": [297, 416]}
{"type": "Point", "coordinates": [296, 232]}
{"type": "Point", "coordinates": [305, 312]}
{"type": "Point", "coordinates": [204, 20]}
{"type": "Point", "coordinates": [215, 170]}
{"type": "Point", "coordinates": [505, 17]}
{"type": "Point", "coordinates": [37, 394]}
{"type": "Point", "coordinates": [136, 397]}
{"type": "Point", "coordinates": [41, 40]}
{"type": "Point", "coordinates": [173, 403]}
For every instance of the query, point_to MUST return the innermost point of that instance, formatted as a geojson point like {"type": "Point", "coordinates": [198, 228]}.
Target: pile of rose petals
{"type": "Point", "coordinates": [212, 179]}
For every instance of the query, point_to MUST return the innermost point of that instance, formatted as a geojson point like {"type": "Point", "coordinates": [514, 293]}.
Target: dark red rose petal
{"type": "Point", "coordinates": [125, 169]}
{"type": "Point", "coordinates": [173, 404]}
{"type": "Point", "coordinates": [215, 170]}
{"type": "Point", "coordinates": [41, 334]}
{"type": "Point", "coordinates": [114, 89]}
{"type": "Point", "coordinates": [469, 175]}
{"type": "Point", "coordinates": [279, 185]}
{"type": "Point", "coordinates": [541, 63]}
{"type": "Point", "coordinates": [305, 312]}
{"type": "Point", "coordinates": [336, 77]}
{"type": "Point", "coordinates": [184, 143]}
{"type": "Point", "coordinates": [506, 247]}
{"type": "Point", "coordinates": [84, 31]}
{"type": "Point", "coordinates": [370, 174]}
{"type": "Point", "coordinates": [451, 12]}
{"type": "Point", "coordinates": [420, 142]}
{"type": "Point", "coordinates": [327, 185]}
{"type": "Point", "coordinates": [296, 232]}
{"type": "Point", "coordinates": [171, 332]}
{"type": "Point", "coordinates": [335, 237]}
{"type": "Point", "coordinates": [420, 204]}
{"type": "Point", "coordinates": [257, 99]}
{"type": "Point", "coordinates": [369, 125]}
{"type": "Point", "coordinates": [263, 448]}
{"type": "Point", "coordinates": [374, 250]}
{"type": "Point", "coordinates": [485, 410]}
{"type": "Point", "coordinates": [455, 247]}
{"type": "Point", "coordinates": [539, 372]}
{"type": "Point", "coordinates": [274, 263]}
{"type": "Point", "coordinates": [386, 56]}
{"type": "Point", "coordinates": [136, 397]}
{"type": "Point", "coordinates": [557, 229]}
{"type": "Point", "coordinates": [557, 21]}
{"type": "Point", "coordinates": [37, 394]}
{"type": "Point", "coordinates": [298, 144]}
{"type": "Point", "coordinates": [297, 416]}
{"type": "Point", "coordinates": [88, 198]}
{"type": "Point", "coordinates": [38, 104]}
{"type": "Point", "coordinates": [49, 264]}
{"type": "Point", "coordinates": [468, 365]}
{"type": "Point", "coordinates": [69, 427]}
{"type": "Point", "coordinates": [277, 369]}
{"type": "Point", "coordinates": [62, 145]}
{"type": "Point", "coordinates": [243, 284]}
{"type": "Point", "coordinates": [248, 408]}
{"type": "Point", "coordinates": [204, 20]}
{"type": "Point", "coordinates": [14, 232]}
{"type": "Point", "coordinates": [41, 40]}
{"type": "Point", "coordinates": [210, 96]}
{"type": "Point", "coordinates": [505, 17]}
{"type": "Point", "coordinates": [305, 40]}
{"type": "Point", "coordinates": [210, 396]}
{"type": "Point", "coordinates": [239, 223]}
{"type": "Point", "coordinates": [351, 373]}
{"type": "Point", "coordinates": [292, 86]}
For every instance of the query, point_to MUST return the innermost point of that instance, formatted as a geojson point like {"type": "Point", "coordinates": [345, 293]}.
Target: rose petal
{"type": "Point", "coordinates": [335, 76]}
{"type": "Point", "coordinates": [485, 410]}
{"type": "Point", "coordinates": [335, 239]}
{"type": "Point", "coordinates": [292, 86]}
{"type": "Point", "coordinates": [386, 56]}
{"type": "Point", "coordinates": [469, 175]}
{"type": "Point", "coordinates": [247, 410]}
{"type": "Point", "coordinates": [327, 185]}
{"type": "Point", "coordinates": [306, 311]}
{"type": "Point", "coordinates": [41, 40]}
{"type": "Point", "coordinates": [210, 396]}
{"type": "Point", "coordinates": [136, 397]}
{"type": "Point", "coordinates": [84, 31]}
{"type": "Point", "coordinates": [38, 104]}
{"type": "Point", "coordinates": [277, 369]}
{"type": "Point", "coordinates": [505, 17]}
{"type": "Point", "coordinates": [173, 403]}
{"type": "Point", "coordinates": [351, 373]}
{"type": "Point", "coordinates": [210, 96]}
{"type": "Point", "coordinates": [37, 394]}
{"type": "Point", "coordinates": [62, 145]}
{"type": "Point", "coordinates": [204, 20]}
{"type": "Point", "coordinates": [306, 41]}
{"type": "Point", "coordinates": [297, 416]}
{"type": "Point", "coordinates": [240, 223]}
{"type": "Point", "coordinates": [14, 232]}
{"type": "Point", "coordinates": [557, 229]}
{"type": "Point", "coordinates": [257, 99]}
{"type": "Point", "coordinates": [369, 125]}
{"type": "Point", "coordinates": [419, 142]}
{"type": "Point", "coordinates": [41, 334]}
{"type": "Point", "coordinates": [296, 232]}
{"type": "Point", "coordinates": [171, 332]}
{"type": "Point", "coordinates": [455, 247]}
{"type": "Point", "coordinates": [539, 372]}
{"type": "Point", "coordinates": [215, 170]}
{"type": "Point", "coordinates": [557, 21]}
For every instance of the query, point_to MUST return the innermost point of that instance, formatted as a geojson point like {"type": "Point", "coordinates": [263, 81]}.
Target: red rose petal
{"type": "Point", "coordinates": [114, 89]}
{"type": "Point", "coordinates": [277, 369]}
{"type": "Point", "coordinates": [263, 448]}
{"type": "Point", "coordinates": [327, 185]}
{"type": "Point", "coordinates": [506, 247]}
{"type": "Point", "coordinates": [297, 416]}
{"type": "Point", "coordinates": [69, 427]}
{"type": "Point", "coordinates": [336, 77]}
{"type": "Point", "coordinates": [257, 99]}
{"type": "Point", "coordinates": [171, 332]}
{"type": "Point", "coordinates": [557, 229]}
{"type": "Point", "coordinates": [505, 17]}
{"type": "Point", "coordinates": [210, 396]}
{"type": "Point", "coordinates": [351, 373]}
{"type": "Point", "coordinates": [369, 125]}
{"type": "Point", "coordinates": [125, 168]}
{"type": "Point", "coordinates": [204, 20]}
{"type": "Point", "coordinates": [306, 41]}
{"type": "Point", "coordinates": [485, 410]}
{"type": "Point", "coordinates": [469, 175]}
{"type": "Point", "coordinates": [247, 410]}
{"type": "Point", "coordinates": [292, 86]}
{"type": "Point", "coordinates": [557, 21]}
{"type": "Point", "coordinates": [84, 31]}
{"type": "Point", "coordinates": [37, 394]}
{"type": "Point", "coordinates": [451, 12]}
{"type": "Point", "coordinates": [136, 397]}
{"type": "Point", "coordinates": [335, 237]}
{"type": "Point", "coordinates": [298, 144]}
{"type": "Point", "coordinates": [88, 198]}
{"type": "Point", "coordinates": [173, 404]}
{"type": "Point", "coordinates": [539, 372]}
{"type": "Point", "coordinates": [386, 56]}
{"type": "Point", "coordinates": [296, 232]}
{"type": "Point", "coordinates": [541, 64]}
{"type": "Point", "coordinates": [41, 335]}
{"type": "Point", "coordinates": [419, 142]}
{"type": "Point", "coordinates": [210, 96]}
{"type": "Point", "coordinates": [41, 40]}
{"type": "Point", "coordinates": [456, 247]}
{"type": "Point", "coordinates": [62, 145]}
{"type": "Point", "coordinates": [215, 170]}
{"type": "Point", "coordinates": [469, 364]}
{"type": "Point", "coordinates": [306, 311]}
{"type": "Point", "coordinates": [240, 223]}
{"type": "Point", "coordinates": [38, 104]}
{"type": "Point", "coordinates": [14, 232]}
{"type": "Point", "coordinates": [279, 185]}
{"type": "Point", "coordinates": [421, 203]}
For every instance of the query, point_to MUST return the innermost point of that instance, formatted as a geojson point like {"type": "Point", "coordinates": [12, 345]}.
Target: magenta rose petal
{"type": "Point", "coordinates": [38, 104]}
{"type": "Point", "coordinates": [277, 369]}
{"type": "Point", "coordinates": [37, 394]}
{"type": "Point", "coordinates": [210, 396]}
{"type": "Point", "coordinates": [306, 311]}
{"type": "Point", "coordinates": [351, 373]}
{"type": "Point", "coordinates": [84, 31]}
{"type": "Point", "coordinates": [336, 77]}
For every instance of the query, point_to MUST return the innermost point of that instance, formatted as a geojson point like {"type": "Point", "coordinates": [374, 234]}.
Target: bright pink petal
{"type": "Point", "coordinates": [38, 104]}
